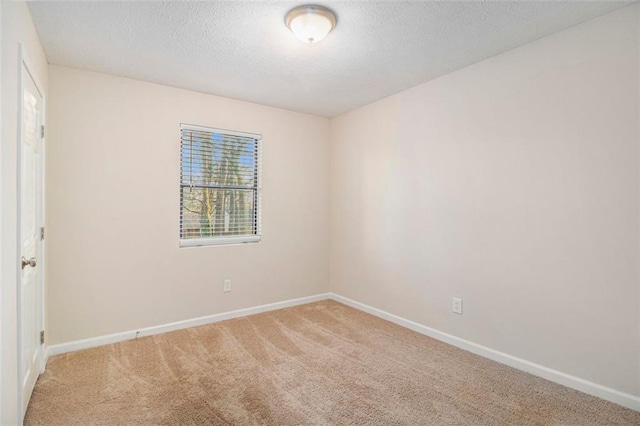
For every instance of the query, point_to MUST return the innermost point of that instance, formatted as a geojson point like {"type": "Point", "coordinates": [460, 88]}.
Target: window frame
{"type": "Point", "coordinates": [231, 239]}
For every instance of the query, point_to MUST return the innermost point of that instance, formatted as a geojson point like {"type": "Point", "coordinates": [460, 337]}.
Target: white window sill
{"type": "Point", "coordinates": [220, 241]}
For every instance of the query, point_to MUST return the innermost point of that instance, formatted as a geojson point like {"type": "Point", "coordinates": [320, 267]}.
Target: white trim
{"type": "Point", "coordinates": [218, 130]}
{"type": "Point", "coordinates": [606, 393]}
{"type": "Point", "coordinates": [236, 239]}
{"type": "Point", "coordinates": [217, 241]}
{"type": "Point", "coordinates": [19, 396]}
{"type": "Point", "coordinates": [258, 200]}
{"type": "Point", "coordinates": [43, 258]}
{"type": "Point", "coordinates": [2, 260]}
{"type": "Point", "coordinates": [179, 325]}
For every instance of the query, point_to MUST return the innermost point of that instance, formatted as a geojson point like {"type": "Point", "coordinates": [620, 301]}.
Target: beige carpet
{"type": "Point", "coordinates": [322, 363]}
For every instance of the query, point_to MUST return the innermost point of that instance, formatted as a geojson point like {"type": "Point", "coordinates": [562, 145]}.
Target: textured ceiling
{"type": "Point", "coordinates": [242, 49]}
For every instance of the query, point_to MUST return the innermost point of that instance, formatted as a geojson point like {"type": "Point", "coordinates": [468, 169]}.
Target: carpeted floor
{"type": "Point", "coordinates": [316, 364]}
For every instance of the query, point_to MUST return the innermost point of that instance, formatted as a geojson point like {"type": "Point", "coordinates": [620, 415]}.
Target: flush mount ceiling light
{"type": "Point", "coordinates": [310, 23]}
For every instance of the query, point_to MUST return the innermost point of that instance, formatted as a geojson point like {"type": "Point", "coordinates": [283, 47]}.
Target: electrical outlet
{"type": "Point", "coordinates": [457, 306]}
{"type": "Point", "coordinates": [227, 286]}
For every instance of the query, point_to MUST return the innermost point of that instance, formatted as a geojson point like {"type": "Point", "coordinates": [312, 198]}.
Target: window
{"type": "Point", "coordinates": [219, 186]}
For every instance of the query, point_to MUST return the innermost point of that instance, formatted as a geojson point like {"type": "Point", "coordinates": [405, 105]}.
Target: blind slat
{"type": "Point", "coordinates": [219, 134]}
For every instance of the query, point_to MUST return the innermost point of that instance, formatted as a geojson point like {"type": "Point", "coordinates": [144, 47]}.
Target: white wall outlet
{"type": "Point", "coordinates": [227, 286]}
{"type": "Point", "coordinates": [457, 306]}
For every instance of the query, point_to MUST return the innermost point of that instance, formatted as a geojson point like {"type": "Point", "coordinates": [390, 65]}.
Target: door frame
{"type": "Point", "coordinates": [2, 260]}
{"type": "Point", "coordinates": [24, 64]}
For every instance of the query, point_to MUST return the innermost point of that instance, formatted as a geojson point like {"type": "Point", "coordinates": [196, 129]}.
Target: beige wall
{"type": "Point", "coordinates": [17, 28]}
{"type": "Point", "coordinates": [113, 205]}
{"type": "Point", "coordinates": [513, 184]}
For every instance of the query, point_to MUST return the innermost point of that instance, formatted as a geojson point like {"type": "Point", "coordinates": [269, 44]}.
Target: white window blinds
{"type": "Point", "coordinates": [219, 186]}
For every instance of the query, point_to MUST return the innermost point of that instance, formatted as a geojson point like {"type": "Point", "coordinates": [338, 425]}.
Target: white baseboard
{"type": "Point", "coordinates": [606, 393]}
{"type": "Point", "coordinates": [179, 325]}
{"type": "Point", "coordinates": [609, 394]}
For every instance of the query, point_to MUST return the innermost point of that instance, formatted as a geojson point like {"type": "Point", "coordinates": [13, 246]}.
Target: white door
{"type": "Point", "coordinates": [30, 319]}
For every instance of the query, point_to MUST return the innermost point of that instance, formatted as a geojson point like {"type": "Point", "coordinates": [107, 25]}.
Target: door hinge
{"type": "Point", "coordinates": [42, 131]}
{"type": "Point", "coordinates": [42, 337]}
{"type": "Point", "coordinates": [42, 233]}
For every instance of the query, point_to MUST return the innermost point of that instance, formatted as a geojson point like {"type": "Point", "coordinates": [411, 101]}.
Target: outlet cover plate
{"type": "Point", "coordinates": [457, 306]}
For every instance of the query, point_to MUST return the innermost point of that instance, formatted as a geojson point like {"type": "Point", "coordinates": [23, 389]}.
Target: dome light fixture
{"type": "Point", "coordinates": [310, 23]}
